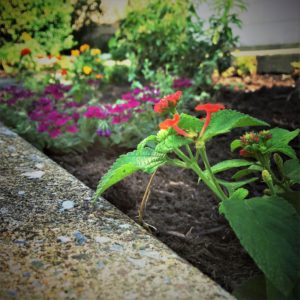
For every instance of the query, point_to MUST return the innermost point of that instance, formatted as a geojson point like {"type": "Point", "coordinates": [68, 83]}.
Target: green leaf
{"type": "Point", "coordinates": [190, 123]}
{"type": "Point", "coordinates": [225, 120]}
{"type": "Point", "coordinates": [269, 229]}
{"type": "Point", "coordinates": [291, 169]}
{"type": "Point", "coordinates": [229, 164]}
{"type": "Point", "coordinates": [235, 145]}
{"type": "Point", "coordinates": [293, 197]}
{"type": "Point", "coordinates": [146, 160]}
{"type": "Point", "coordinates": [233, 186]}
{"type": "Point", "coordinates": [172, 142]}
{"type": "Point", "coordinates": [145, 141]}
{"type": "Point", "coordinates": [280, 140]}
{"type": "Point", "coordinates": [242, 173]}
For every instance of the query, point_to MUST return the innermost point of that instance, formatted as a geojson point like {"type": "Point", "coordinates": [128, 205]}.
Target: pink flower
{"type": "Point", "coordinates": [62, 121]}
{"type": "Point", "coordinates": [72, 129]}
{"type": "Point", "coordinates": [120, 119]}
{"type": "Point", "coordinates": [54, 133]}
{"type": "Point", "coordinates": [95, 112]}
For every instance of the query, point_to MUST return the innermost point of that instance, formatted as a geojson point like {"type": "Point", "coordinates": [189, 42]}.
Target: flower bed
{"type": "Point", "coordinates": [184, 213]}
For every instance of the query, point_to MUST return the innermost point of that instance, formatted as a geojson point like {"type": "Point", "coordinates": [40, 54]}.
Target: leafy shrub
{"type": "Point", "coordinates": [44, 26]}
{"type": "Point", "coordinates": [171, 34]}
{"type": "Point", "coordinates": [158, 32]}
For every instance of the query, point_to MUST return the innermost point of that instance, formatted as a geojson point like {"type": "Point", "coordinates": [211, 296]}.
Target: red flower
{"type": "Point", "coordinates": [173, 123]}
{"type": "Point", "coordinates": [209, 108]}
{"type": "Point", "coordinates": [64, 72]}
{"type": "Point", "coordinates": [25, 51]}
{"type": "Point", "coordinates": [245, 153]}
{"type": "Point", "coordinates": [167, 102]}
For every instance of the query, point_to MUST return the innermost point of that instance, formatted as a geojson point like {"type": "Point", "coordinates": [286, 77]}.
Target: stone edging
{"type": "Point", "coordinates": [55, 245]}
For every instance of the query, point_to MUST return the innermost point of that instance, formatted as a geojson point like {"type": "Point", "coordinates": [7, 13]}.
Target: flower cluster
{"type": "Point", "coordinates": [253, 142]}
{"type": "Point", "coordinates": [53, 116]}
{"type": "Point", "coordinates": [168, 104]}
{"type": "Point", "coordinates": [14, 95]}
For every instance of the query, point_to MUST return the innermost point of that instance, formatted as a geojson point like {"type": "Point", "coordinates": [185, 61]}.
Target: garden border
{"type": "Point", "coordinates": [55, 244]}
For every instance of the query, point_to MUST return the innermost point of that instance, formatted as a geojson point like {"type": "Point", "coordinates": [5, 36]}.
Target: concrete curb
{"type": "Point", "coordinates": [55, 245]}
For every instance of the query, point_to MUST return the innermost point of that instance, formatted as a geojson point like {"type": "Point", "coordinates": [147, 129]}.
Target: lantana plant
{"type": "Point", "coordinates": [268, 226]}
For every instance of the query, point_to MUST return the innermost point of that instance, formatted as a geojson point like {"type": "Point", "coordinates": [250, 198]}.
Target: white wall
{"type": "Point", "coordinates": [266, 22]}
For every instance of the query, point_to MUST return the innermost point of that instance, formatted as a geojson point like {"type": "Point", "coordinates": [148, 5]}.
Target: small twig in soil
{"type": "Point", "coordinates": [212, 230]}
{"type": "Point", "coordinates": [145, 200]}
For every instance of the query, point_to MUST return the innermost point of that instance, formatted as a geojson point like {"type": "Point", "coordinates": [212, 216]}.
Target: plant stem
{"type": "Point", "coordinates": [145, 199]}
{"type": "Point", "coordinates": [192, 164]}
{"type": "Point", "coordinates": [189, 152]}
{"type": "Point", "coordinates": [212, 176]}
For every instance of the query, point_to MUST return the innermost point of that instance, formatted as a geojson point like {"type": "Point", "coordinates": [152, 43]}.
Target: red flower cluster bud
{"type": "Point", "coordinates": [25, 51]}
{"type": "Point", "coordinates": [253, 142]}
{"type": "Point", "coordinates": [245, 153]}
{"type": "Point", "coordinates": [168, 102]}
{"type": "Point", "coordinates": [251, 138]}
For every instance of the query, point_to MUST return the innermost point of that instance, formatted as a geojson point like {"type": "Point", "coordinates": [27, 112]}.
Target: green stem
{"type": "Point", "coordinates": [265, 162]}
{"type": "Point", "coordinates": [212, 176]}
{"type": "Point", "coordinates": [189, 152]}
{"type": "Point", "coordinates": [192, 164]}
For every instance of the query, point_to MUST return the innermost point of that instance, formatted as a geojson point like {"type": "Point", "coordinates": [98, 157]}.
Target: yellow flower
{"type": "Point", "coordinates": [84, 47]}
{"type": "Point", "coordinates": [75, 52]}
{"type": "Point", "coordinates": [95, 51]}
{"type": "Point", "coordinates": [26, 36]}
{"type": "Point", "coordinates": [99, 76]}
{"type": "Point", "coordinates": [98, 60]}
{"type": "Point", "coordinates": [87, 70]}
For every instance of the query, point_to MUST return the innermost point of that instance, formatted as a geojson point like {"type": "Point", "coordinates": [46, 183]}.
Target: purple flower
{"type": "Point", "coordinates": [103, 132]}
{"type": "Point", "coordinates": [180, 83]}
{"type": "Point", "coordinates": [76, 116]}
{"type": "Point", "coordinates": [42, 127]}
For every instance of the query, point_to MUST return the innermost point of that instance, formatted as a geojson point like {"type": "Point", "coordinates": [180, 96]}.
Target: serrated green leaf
{"type": "Point", "coordinates": [172, 142]}
{"type": "Point", "coordinates": [145, 141]}
{"type": "Point", "coordinates": [280, 140]}
{"type": "Point", "coordinates": [269, 229]}
{"type": "Point", "coordinates": [190, 123]}
{"type": "Point", "coordinates": [229, 164]}
{"type": "Point", "coordinates": [146, 160]}
{"type": "Point", "coordinates": [225, 120]}
{"type": "Point", "coordinates": [291, 169]}
{"type": "Point", "coordinates": [233, 186]}
{"type": "Point", "coordinates": [235, 145]}
{"type": "Point", "coordinates": [242, 173]}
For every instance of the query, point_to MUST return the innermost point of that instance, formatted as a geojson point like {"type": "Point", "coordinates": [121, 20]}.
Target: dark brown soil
{"type": "Point", "coordinates": [185, 213]}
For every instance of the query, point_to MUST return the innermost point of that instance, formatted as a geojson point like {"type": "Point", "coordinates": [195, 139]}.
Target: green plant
{"type": "Point", "coordinates": [161, 33]}
{"type": "Point", "coordinates": [44, 26]}
{"type": "Point", "coordinates": [267, 226]}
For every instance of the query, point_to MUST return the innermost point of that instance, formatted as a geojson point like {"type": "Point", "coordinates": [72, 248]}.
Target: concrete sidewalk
{"type": "Point", "coordinates": [55, 245]}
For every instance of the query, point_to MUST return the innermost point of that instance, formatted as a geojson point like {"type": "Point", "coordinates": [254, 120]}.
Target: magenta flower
{"type": "Point", "coordinates": [62, 121]}
{"type": "Point", "coordinates": [95, 112]}
{"type": "Point", "coordinates": [72, 129]}
{"type": "Point", "coordinates": [54, 133]}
